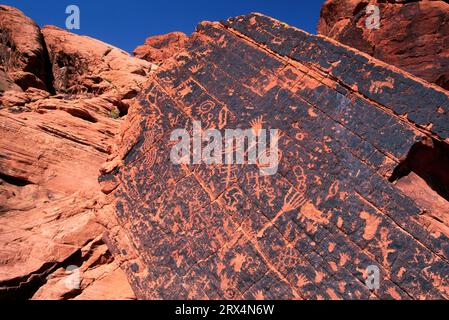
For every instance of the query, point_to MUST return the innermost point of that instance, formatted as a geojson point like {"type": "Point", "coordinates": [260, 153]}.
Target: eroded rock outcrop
{"type": "Point", "coordinates": [23, 54]}
{"type": "Point", "coordinates": [54, 141]}
{"type": "Point", "coordinates": [363, 147]}
{"type": "Point", "coordinates": [84, 65]}
{"type": "Point", "coordinates": [334, 207]}
{"type": "Point", "coordinates": [158, 49]}
{"type": "Point", "coordinates": [413, 35]}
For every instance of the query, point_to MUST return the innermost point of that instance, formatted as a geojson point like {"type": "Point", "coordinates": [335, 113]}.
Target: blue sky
{"type": "Point", "coordinates": [127, 23]}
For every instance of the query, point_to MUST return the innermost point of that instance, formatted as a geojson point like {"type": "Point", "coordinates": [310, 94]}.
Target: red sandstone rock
{"type": "Point", "coordinates": [100, 278]}
{"type": "Point", "coordinates": [84, 65]}
{"type": "Point", "coordinates": [51, 150]}
{"type": "Point", "coordinates": [362, 148]}
{"type": "Point", "coordinates": [6, 83]}
{"type": "Point", "coordinates": [22, 49]}
{"type": "Point", "coordinates": [158, 49]}
{"type": "Point", "coordinates": [413, 35]}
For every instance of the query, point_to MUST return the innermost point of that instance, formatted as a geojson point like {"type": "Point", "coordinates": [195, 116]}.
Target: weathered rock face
{"type": "Point", "coordinates": [22, 51]}
{"type": "Point", "coordinates": [362, 178]}
{"type": "Point", "coordinates": [85, 65]}
{"type": "Point", "coordinates": [51, 152]}
{"type": "Point", "coordinates": [413, 35]}
{"type": "Point", "coordinates": [158, 49]}
{"type": "Point", "coordinates": [340, 201]}
{"type": "Point", "coordinates": [52, 147]}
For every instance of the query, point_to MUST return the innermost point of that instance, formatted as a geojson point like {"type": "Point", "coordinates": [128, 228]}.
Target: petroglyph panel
{"type": "Point", "coordinates": [309, 231]}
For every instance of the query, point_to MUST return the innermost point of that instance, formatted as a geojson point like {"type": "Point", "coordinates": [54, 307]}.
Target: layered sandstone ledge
{"type": "Point", "coordinates": [63, 98]}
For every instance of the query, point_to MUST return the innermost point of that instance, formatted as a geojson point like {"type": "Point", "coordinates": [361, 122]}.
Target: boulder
{"type": "Point", "coordinates": [413, 35]}
{"type": "Point", "coordinates": [158, 49]}
{"type": "Point", "coordinates": [82, 65]}
{"type": "Point", "coordinates": [22, 50]}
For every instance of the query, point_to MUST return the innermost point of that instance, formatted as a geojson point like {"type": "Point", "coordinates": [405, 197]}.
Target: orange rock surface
{"type": "Point", "coordinates": [22, 52]}
{"type": "Point", "coordinates": [158, 49]}
{"type": "Point", "coordinates": [54, 140]}
{"type": "Point", "coordinates": [413, 35]}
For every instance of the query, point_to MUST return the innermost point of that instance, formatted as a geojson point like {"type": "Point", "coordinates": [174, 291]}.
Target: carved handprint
{"type": "Point", "coordinates": [195, 68]}
{"type": "Point", "coordinates": [256, 125]}
{"type": "Point", "coordinates": [292, 201]}
{"type": "Point", "coordinates": [302, 281]}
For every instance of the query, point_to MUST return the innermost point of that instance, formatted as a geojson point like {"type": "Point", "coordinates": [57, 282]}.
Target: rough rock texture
{"type": "Point", "coordinates": [101, 278]}
{"type": "Point", "coordinates": [51, 152]}
{"type": "Point", "coordinates": [86, 65]}
{"type": "Point", "coordinates": [158, 49]}
{"type": "Point", "coordinates": [413, 35]}
{"type": "Point", "coordinates": [339, 202]}
{"type": "Point", "coordinates": [53, 144]}
{"type": "Point", "coordinates": [363, 177]}
{"type": "Point", "coordinates": [22, 51]}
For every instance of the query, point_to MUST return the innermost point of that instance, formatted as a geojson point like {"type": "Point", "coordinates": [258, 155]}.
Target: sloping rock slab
{"type": "Point", "coordinates": [311, 230]}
